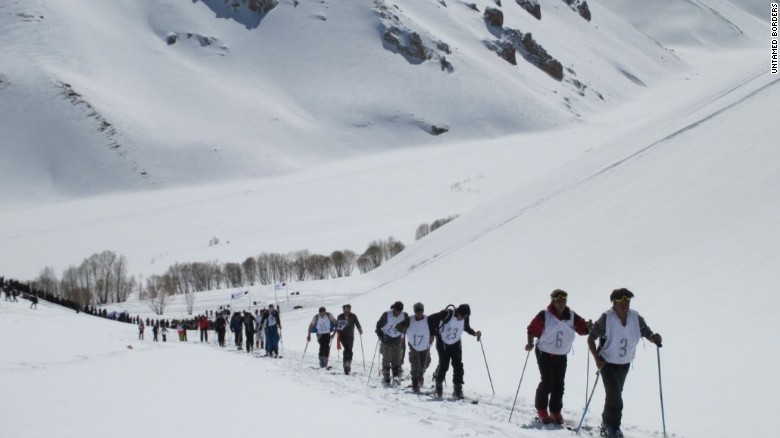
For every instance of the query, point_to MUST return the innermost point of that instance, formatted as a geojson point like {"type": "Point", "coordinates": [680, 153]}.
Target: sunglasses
{"type": "Point", "coordinates": [560, 296]}
{"type": "Point", "coordinates": [622, 298]}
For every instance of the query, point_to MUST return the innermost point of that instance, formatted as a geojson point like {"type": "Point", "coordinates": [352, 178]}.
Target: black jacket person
{"type": "Point", "coordinates": [449, 325]}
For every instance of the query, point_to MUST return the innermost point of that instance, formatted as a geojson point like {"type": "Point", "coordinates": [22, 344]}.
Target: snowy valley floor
{"type": "Point", "coordinates": [69, 375]}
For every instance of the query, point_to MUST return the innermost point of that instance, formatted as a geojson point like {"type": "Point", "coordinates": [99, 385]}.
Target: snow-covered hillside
{"type": "Point", "coordinates": [100, 97]}
{"type": "Point", "coordinates": [669, 189]}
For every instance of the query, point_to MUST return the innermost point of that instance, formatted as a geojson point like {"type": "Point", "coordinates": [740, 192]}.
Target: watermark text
{"type": "Point", "coordinates": [773, 21]}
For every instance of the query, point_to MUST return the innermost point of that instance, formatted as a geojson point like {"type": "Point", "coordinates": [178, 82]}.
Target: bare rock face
{"type": "Point", "coordinates": [262, 6]}
{"type": "Point", "coordinates": [534, 53]}
{"type": "Point", "coordinates": [438, 129]}
{"type": "Point", "coordinates": [584, 10]}
{"type": "Point", "coordinates": [412, 42]}
{"type": "Point", "coordinates": [494, 17]}
{"type": "Point", "coordinates": [504, 49]}
{"type": "Point", "coordinates": [171, 38]}
{"type": "Point", "coordinates": [580, 7]}
{"type": "Point", "coordinates": [532, 6]}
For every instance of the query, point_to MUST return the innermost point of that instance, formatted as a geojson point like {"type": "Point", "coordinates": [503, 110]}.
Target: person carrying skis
{"type": "Point", "coordinates": [450, 324]}
{"type": "Point", "coordinates": [220, 326]}
{"type": "Point", "coordinates": [345, 329]}
{"type": "Point", "coordinates": [273, 326]}
{"type": "Point", "coordinates": [555, 328]}
{"type": "Point", "coordinates": [323, 323]}
{"type": "Point", "coordinates": [419, 336]}
{"type": "Point", "coordinates": [619, 330]}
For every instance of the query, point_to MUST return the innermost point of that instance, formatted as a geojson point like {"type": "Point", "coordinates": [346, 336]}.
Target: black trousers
{"type": "Point", "coordinates": [250, 341]}
{"type": "Point", "coordinates": [324, 341]}
{"type": "Point", "coordinates": [449, 353]}
{"type": "Point", "coordinates": [550, 390]}
{"type": "Point", "coordinates": [613, 376]}
{"type": "Point", "coordinates": [347, 342]}
{"type": "Point", "coordinates": [204, 336]}
{"type": "Point", "coordinates": [221, 336]}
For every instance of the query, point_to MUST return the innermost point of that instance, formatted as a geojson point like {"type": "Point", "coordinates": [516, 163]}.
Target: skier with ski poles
{"type": "Point", "coordinates": [391, 340]}
{"type": "Point", "coordinates": [555, 329]}
{"type": "Point", "coordinates": [619, 330]}
{"type": "Point", "coordinates": [345, 329]}
{"type": "Point", "coordinates": [419, 336]}
{"type": "Point", "coordinates": [449, 325]}
{"type": "Point", "coordinates": [323, 324]}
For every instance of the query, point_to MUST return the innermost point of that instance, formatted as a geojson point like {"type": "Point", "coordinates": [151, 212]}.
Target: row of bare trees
{"type": "Point", "coordinates": [425, 229]}
{"type": "Point", "coordinates": [100, 279]}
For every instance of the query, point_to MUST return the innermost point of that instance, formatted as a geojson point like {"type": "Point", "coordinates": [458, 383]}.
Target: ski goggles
{"type": "Point", "coordinates": [560, 295]}
{"type": "Point", "coordinates": [622, 298]}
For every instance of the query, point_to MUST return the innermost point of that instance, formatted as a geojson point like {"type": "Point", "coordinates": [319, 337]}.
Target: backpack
{"type": "Point", "coordinates": [449, 316]}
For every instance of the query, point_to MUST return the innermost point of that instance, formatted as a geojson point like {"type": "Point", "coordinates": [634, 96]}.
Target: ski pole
{"type": "Point", "coordinates": [660, 388]}
{"type": "Point", "coordinates": [304, 350]}
{"type": "Point", "coordinates": [587, 379]}
{"type": "Point", "coordinates": [372, 362]}
{"type": "Point", "coordinates": [587, 403]}
{"type": "Point", "coordinates": [518, 385]}
{"type": "Point", "coordinates": [486, 365]}
{"type": "Point", "coordinates": [362, 352]}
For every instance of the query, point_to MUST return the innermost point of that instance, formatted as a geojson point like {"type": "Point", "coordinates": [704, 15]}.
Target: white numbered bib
{"type": "Point", "coordinates": [621, 341]}
{"type": "Point", "coordinates": [419, 335]}
{"type": "Point", "coordinates": [452, 330]}
{"type": "Point", "coordinates": [558, 335]}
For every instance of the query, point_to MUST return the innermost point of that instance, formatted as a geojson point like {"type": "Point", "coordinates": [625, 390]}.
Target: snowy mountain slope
{"type": "Point", "coordinates": [709, 24]}
{"type": "Point", "coordinates": [677, 203]}
{"type": "Point", "coordinates": [379, 195]}
{"type": "Point", "coordinates": [671, 191]}
{"type": "Point", "coordinates": [235, 97]}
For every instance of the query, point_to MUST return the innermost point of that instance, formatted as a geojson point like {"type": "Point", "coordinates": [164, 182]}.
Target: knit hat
{"type": "Point", "coordinates": [399, 306]}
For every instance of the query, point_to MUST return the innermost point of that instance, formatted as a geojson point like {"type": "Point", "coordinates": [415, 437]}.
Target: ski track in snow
{"type": "Point", "coordinates": [461, 418]}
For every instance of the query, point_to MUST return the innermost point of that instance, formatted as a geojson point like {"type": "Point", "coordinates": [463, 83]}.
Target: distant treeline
{"type": "Point", "coordinates": [102, 278]}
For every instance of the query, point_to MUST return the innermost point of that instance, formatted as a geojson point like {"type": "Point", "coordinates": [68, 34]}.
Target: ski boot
{"type": "Point", "coordinates": [347, 368]}
{"type": "Point", "coordinates": [438, 389]}
{"type": "Point", "coordinates": [556, 418]}
{"type": "Point", "coordinates": [323, 361]}
{"type": "Point", "coordinates": [457, 391]}
{"type": "Point", "coordinates": [543, 416]}
{"type": "Point", "coordinates": [386, 376]}
{"type": "Point", "coordinates": [611, 431]}
{"type": "Point", "coordinates": [415, 385]}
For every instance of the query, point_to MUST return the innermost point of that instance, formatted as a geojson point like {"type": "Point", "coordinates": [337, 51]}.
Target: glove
{"type": "Point", "coordinates": [590, 325]}
{"type": "Point", "coordinates": [655, 338]}
{"type": "Point", "coordinates": [529, 347]}
{"type": "Point", "coordinates": [479, 335]}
